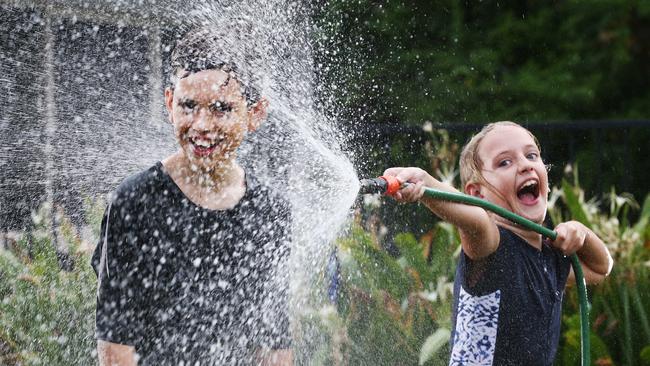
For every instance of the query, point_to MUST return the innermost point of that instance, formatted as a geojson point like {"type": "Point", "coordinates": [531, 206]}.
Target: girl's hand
{"type": "Point", "coordinates": [417, 179]}
{"type": "Point", "coordinates": [571, 236]}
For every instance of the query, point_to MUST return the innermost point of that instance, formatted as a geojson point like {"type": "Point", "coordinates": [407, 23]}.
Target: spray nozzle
{"type": "Point", "coordinates": [384, 185]}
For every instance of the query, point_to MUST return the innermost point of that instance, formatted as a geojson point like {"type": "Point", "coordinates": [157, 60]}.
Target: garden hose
{"type": "Point", "coordinates": [390, 185]}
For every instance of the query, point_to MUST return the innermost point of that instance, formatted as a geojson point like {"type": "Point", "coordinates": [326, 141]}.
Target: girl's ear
{"type": "Point", "coordinates": [474, 189]}
{"type": "Point", "coordinates": [257, 114]}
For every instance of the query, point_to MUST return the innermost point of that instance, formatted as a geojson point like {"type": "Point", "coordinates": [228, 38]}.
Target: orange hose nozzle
{"type": "Point", "coordinates": [393, 184]}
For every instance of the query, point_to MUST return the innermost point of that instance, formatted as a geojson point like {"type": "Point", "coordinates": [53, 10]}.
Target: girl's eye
{"type": "Point", "coordinates": [532, 156]}
{"type": "Point", "coordinates": [504, 162]}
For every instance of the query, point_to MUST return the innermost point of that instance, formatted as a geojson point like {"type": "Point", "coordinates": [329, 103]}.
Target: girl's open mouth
{"type": "Point", "coordinates": [528, 192]}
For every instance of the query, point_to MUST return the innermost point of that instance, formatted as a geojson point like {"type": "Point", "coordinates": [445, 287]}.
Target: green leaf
{"type": "Point", "coordinates": [433, 344]}
{"type": "Point", "coordinates": [411, 252]}
{"type": "Point", "coordinates": [645, 356]}
{"type": "Point", "coordinates": [642, 226]}
{"type": "Point", "coordinates": [574, 205]}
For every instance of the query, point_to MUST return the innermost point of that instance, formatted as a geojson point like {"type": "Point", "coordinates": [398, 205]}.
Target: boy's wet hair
{"type": "Point", "coordinates": [212, 48]}
{"type": "Point", "coordinates": [470, 161]}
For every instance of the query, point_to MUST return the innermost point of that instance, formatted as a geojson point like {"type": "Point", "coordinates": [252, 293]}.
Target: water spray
{"type": "Point", "coordinates": [390, 185]}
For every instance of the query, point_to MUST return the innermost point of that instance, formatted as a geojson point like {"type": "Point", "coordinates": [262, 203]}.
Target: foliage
{"type": "Point", "coordinates": [481, 61]}
{"type": "Point", "coordinates": [47, 313]}
{"type": "Point", "coordinates": [329, 340]}
{"type": "Point", "coordinates": [397, 309]}
{"type": "Point", "coordinates": [570, 351]}
{"type": "Point", "coordinates": [402, 63]}
{"type": "Point", "coordinates": [621, 305]}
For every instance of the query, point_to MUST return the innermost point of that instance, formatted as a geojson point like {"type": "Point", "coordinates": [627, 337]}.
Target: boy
{"type": "Point", "coordinates": [509, 281]}
{"type": "Point", "coordinates": [190, 247]}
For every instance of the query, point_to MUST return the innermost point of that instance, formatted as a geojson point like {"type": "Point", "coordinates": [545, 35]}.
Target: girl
{"type": "Point", "coordinates": [509, 281]}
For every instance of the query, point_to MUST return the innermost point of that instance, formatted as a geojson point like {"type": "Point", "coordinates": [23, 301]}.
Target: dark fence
{"type": "Point", "coordinates": [607, 153]}
{"type": "Point", "coordinates": [79, 86]}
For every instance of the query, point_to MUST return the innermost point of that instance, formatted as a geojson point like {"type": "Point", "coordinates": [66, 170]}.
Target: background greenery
{"type": "Point", "coordinates": [411, 61]}
{"type": "Point", "coordinates": [394, 65]}
{"type": "Point", "coordinates": [47, 313]}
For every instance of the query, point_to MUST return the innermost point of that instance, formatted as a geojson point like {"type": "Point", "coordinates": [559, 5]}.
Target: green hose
{"type": "Point", "coordinates": [577, 268]}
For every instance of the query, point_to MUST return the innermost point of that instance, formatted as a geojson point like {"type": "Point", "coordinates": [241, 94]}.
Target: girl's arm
{"type": "Point", "coordinates": [479, 234]}
{"type": "Point", "coordinates": [574, 237]}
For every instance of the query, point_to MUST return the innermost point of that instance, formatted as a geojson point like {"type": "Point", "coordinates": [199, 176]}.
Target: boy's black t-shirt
{"type": "Point", "coordinates": [182, 283]}
{"type": "Point", "coordinates": [507, 306]}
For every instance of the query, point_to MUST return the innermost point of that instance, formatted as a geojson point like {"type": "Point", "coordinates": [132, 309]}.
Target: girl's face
{"type": "Point", "coordinates": [513, 166]}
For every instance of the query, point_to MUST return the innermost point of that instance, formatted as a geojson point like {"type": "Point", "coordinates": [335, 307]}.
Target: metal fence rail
{"type": "Point", "coordinates": [608, 152]}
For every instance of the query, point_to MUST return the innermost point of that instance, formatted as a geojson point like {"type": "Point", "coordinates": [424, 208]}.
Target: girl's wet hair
{"type": "Point", "coordinates": [470, 161]}
{"type": "Point", "coordinates": [212, 48]}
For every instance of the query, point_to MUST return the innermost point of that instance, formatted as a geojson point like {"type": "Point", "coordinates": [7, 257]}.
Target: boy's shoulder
{"type": "Point", "coordinates": [269, 195]}
{"type": "Point", "coordinates": [139, 185]}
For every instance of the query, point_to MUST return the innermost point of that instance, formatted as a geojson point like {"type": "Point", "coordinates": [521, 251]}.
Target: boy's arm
{"type": "Point", "coordinates": [479, 234]}
{"type": "Point", "coordinates": [574, 237]}
{"type": "Point", "coordinates": [118, 313]}
{"type": "Point", "coordinates": [113, 354]}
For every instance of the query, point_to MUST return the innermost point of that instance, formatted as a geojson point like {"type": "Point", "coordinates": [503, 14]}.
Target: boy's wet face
{"type": "Point", "coordinates": [210, 117]}
{"type": "Point", "coordinates": [513, 166]}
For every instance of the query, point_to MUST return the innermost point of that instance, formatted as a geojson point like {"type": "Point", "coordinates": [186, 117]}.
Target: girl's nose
{"type": "Point", "coordinates": [525, 165]}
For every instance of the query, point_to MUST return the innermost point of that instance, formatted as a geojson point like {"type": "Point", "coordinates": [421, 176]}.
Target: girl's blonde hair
{"type": "Point", "coordinates": [470, 161]}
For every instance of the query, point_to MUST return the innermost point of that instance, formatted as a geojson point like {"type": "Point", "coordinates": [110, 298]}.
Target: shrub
{"type": "Point", "coordinates": [621, 305]}
{"type": "Point", "coordinates": [396, 309]}
{"type": "Point", "coordinates": [47, 314]}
